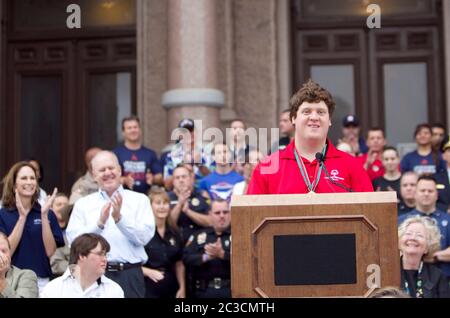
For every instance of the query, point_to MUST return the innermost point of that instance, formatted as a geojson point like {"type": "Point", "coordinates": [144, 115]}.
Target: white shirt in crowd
{"type": "Point", "coordinates": [239, 188]}
{"type": "Point", "coordinates": [67, 286]}
{"type": "Point", "coordinates": [126, 237]}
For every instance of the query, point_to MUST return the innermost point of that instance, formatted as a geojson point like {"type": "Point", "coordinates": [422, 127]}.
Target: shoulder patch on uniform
{"type": "Point", "coordinates": [201, 238]}
{"type": "Point", "coordinates": [195, 202]}
{"type": "Point", "coordinates": [190, 240]}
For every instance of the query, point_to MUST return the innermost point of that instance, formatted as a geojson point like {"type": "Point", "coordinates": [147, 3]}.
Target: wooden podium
{"type": "Point", "coordinates": [313, 245]}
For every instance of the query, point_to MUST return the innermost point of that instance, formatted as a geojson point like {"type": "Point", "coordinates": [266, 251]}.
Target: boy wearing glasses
{"type": "Point", "coordinates": [85, 276]}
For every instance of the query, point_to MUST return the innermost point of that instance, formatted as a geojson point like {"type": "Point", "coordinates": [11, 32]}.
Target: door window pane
{"type": "Point", "coordinates": [109, 101]}
{"type": "Point", "coordinates": [326, 9]}
{"type": "Point", "coordinates": [30, 15]}
{"type": "Point", "coordinates": [339, 81]}
{"type": "Point", "coordinates": [40, 125]}
{"type": "Point", "coordinates": [405, 100]}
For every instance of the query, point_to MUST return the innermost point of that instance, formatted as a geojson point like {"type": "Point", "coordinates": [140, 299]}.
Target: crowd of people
{"type": "Point", "coordinates": [137, 225]}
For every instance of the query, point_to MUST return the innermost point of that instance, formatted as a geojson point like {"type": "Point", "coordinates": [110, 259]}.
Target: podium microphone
{"type": "Point", "coordinates": [321, 159]}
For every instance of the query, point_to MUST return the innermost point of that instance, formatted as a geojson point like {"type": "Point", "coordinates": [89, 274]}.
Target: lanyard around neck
{"type": "Point", "coordinates": [301, 166]}
{"type": "Point", "coordinates": [419, 283]}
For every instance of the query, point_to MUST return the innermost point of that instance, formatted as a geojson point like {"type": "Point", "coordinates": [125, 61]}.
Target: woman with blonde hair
{"type": "Point", "coordinates": [164, 271]}
{"type": "Point", "coordinates": [418, 239]}
{"type": "Point", "coordinates": [32, 229]}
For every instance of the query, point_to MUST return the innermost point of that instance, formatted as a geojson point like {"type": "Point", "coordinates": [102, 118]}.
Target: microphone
{"type": "Point", "coordinates": [321, 160]}
{"type": "Point", "coordinates": [319, 157]}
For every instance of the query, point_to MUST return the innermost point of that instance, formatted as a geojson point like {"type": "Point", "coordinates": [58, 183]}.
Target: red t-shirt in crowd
{"type": "Point", "coordinates": [285, 177]}
{"type": "Point", "coordinates": [375, 170]}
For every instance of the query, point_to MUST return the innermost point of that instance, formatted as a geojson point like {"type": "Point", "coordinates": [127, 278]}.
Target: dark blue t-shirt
{"type": "Point", "coordinates": [220, 185]}
{"type": "Point", "coordinates": [443, 222]}
{"type": "Point", "coordinates": [30, 253]}
{"type": "Point", "coordinates": [137, 163]}
{"type": "Point", "coordinates": [421, 164]}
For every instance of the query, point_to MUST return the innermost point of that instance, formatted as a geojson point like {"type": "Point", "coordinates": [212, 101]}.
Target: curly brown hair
{"type": "Point", "coordinates": [9, 183]}
{"type": "Point", "coordinates": [311, 92]}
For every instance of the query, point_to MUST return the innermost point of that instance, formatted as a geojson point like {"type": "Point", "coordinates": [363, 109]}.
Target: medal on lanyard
{"type": "Point", "coordinates": [310, 185]}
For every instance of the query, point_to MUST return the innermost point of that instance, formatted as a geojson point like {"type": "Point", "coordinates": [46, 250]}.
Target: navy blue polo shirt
{"type": "Point", "coordinates": [443, 221]}
{"type": "Point", "coordinates": [30, 253]}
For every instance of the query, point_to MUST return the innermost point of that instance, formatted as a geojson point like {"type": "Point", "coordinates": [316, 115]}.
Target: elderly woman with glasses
{"type": "Point", "coordinates": [419, 239]}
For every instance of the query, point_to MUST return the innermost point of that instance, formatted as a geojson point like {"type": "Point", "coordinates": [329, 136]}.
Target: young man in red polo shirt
{"type": "Point", "coordinates": [310, 163]}
{"type": "Point", "coordinates": [372, 160]}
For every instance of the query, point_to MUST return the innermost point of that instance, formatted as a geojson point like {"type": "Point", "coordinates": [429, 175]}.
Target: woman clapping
{"type": "Point", "coordinates": [32, 229]}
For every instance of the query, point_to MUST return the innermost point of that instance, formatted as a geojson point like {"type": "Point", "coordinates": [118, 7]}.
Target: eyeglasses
{"type": "Point", "coordinates": [101, 254]}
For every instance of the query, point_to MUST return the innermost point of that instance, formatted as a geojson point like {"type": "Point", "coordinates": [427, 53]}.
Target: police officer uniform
{"type": "Point", "coordinates": [197, 203]}
{"type": "Point", "coordinates": [163, 253]}
{"type": "Point", "coordinates": [211, 279]}
{"type": "Point", "coordinates": [402, 208]}
{"type": "Point", "coordinates": [443, 187]}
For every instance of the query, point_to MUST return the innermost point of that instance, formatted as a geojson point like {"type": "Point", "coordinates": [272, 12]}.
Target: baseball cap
{"type": "Point", "coordinates": [350, 120]}
{"type": "Point", "coordinates": [445, 143]}
{"type": "Point", "coordinates": [186, 123]}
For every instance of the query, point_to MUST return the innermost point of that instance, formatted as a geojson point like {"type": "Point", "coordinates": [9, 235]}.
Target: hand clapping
{"type": "Point", "coordinates": [20, 207]}
{"type": "Point", "coordinates": [215, 250]}
{"type": "Point", "coordinates": [48, 202]}
{"type": "Point", "coordinates": [116, 201]}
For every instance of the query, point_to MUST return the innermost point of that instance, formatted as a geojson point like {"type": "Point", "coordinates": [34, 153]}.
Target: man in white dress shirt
{"type": "Point", "coordinates": [123, 217]}
{"type": "Point", "coordinates": [84, 278]}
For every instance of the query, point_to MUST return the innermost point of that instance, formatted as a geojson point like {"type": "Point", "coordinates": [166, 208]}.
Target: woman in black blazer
{"type": "Point", "coordinates": [419, 239]}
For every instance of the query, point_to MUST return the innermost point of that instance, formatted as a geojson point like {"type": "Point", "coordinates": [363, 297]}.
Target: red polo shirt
{"type": "Point", "coordinates": [285, 177]}
{"type": "Point", "coordinates": [375, 170]}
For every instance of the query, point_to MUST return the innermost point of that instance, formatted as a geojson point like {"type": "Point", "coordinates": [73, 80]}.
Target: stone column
{"type": "Point", "coordinates": [152, 71]}
{"type": "Point", "coordinates": [192, 63]}
{"type": "Point", "coordinates": [446, 42]}
{"type": "Point", "coordinates": [284, 57]}
{"type": "Point", "coordinates": [2, 95]}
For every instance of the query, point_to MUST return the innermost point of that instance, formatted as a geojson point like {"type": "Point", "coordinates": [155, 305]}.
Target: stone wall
{"type": "Point", "coordinates": [255, 81]}
{"type": "Point", "coordinates": [246, 57]}
{"type": "Point", "coordinates": [152, 70]}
